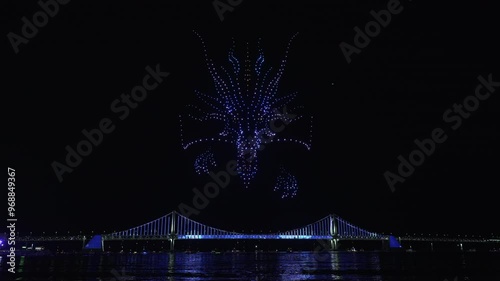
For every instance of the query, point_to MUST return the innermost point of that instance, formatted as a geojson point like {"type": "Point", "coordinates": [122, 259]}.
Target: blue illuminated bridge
{"type": "Point", "coordinates": [175, 226]}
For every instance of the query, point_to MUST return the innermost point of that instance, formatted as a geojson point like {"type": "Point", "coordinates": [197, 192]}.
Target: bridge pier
{"type": "Point", "coordinates": [173, 231]}
{"type": "Point", "coordinates": [334, 232]}
{"type": "Point", "coordinates": [385, 245]}
{"type": "Point", "coordinates": [172, 244]}
{"type": "Point", "coordinates": [334, 244]}
{"type": "Point", "coordinates": [83, 242]}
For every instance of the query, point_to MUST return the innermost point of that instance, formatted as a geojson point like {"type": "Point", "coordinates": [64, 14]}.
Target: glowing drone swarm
{"type": "Point", "coordinates": [204, 162]}
{"type": "Point", "coordinates": [246, 102]}
{"type": "Point", "coordinates": [287, 184]}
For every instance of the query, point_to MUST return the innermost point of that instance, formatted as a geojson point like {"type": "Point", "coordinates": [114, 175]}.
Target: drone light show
{"type": "Point", "coordinates": [246, 101]}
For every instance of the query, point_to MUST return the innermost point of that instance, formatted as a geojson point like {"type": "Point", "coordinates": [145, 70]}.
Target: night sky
{"type": "Point", "coordinates": [366, 113]}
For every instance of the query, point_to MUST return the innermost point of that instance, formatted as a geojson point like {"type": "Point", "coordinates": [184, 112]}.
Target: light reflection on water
{"type": "Point", "coordinates": [283, 266]}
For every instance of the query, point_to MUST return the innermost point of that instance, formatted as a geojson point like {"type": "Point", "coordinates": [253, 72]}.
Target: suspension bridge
{"type": "Point", "coordinates": [175, 226]}
{"type": "Point", "coordinates": [333, 228]}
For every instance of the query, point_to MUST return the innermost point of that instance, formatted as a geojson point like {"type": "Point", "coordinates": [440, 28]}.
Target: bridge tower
{"type": "Point", "coordinates": [173, 231]}
{"type": "Point", "coordinates": [334, 232]}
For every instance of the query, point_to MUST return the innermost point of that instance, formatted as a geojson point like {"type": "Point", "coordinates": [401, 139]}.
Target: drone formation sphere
{"type": "Point", "coordinates": [245, 100]}
{"type": "Point", "coordinates": [287, 184]}
{"type": "Point", "coordinates": [205, 162]}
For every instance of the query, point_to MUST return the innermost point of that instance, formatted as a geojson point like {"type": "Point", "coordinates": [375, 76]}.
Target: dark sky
{"type": "Point", "coordinates": [366, 114]}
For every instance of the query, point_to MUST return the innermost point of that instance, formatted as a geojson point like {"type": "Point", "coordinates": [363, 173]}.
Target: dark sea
{"type": "Point", "coordinates": [286, 266]}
